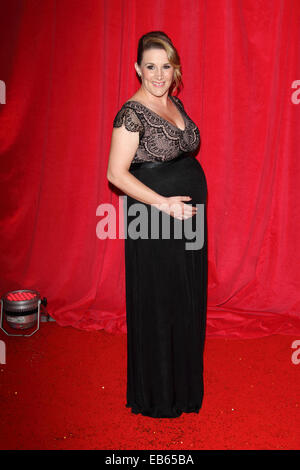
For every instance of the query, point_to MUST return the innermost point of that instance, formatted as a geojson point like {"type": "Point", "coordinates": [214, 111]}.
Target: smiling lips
{"type": "Point", "coordinates": [158, 84]}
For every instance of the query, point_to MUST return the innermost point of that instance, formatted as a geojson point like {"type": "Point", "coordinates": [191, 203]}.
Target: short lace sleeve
{"type": "Point", "coordinates": [129, 118]}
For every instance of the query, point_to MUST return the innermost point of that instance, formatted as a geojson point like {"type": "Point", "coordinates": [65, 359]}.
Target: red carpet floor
{"type": "Point", "coordinates": [64, 388]}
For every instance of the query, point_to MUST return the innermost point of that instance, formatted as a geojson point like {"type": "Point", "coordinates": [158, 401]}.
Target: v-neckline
{"type": "Point", "coordinates": [166, 120]}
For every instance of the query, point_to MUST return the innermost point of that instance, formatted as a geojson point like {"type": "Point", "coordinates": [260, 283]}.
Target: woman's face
{"type": "Point", "coordinates": [156, 72]}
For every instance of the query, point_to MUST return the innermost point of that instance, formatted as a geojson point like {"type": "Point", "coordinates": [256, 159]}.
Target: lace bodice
{"type": "Point", "coordinates": [159, 140]}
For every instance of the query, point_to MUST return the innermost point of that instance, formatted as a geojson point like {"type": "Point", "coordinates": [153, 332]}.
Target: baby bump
{"type": "Point", "coordinates": [184, 177]}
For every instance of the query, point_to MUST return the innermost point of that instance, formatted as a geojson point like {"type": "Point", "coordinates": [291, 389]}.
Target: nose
{"type": "Point", "coordinates": [159, 73]}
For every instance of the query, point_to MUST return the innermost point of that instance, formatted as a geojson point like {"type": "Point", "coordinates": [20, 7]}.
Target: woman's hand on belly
{"type": "Point", "coordinates": [176, 207]}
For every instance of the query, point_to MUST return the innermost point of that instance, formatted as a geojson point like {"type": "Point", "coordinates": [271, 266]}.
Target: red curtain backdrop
{"type": "Point", "coordinates": [68, 66]}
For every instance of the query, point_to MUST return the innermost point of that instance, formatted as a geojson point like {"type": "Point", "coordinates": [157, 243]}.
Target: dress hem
{"type": "Point", "coordinates": [135, 409]}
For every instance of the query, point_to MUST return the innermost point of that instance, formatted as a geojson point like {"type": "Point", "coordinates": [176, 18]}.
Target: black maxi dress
{"type": "Point", "coordinates": [166, 283]}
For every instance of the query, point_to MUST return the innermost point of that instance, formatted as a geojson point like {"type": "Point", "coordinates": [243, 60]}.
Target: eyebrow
{"type": "Point", "coordinates": [152, 63]}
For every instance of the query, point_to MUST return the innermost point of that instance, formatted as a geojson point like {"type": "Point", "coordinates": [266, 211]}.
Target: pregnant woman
{"type": "Point", "coordinates": [152, 160]}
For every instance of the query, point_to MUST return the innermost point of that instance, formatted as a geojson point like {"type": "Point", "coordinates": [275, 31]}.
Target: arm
{"type": "Point", "coordinates": [122, 150]}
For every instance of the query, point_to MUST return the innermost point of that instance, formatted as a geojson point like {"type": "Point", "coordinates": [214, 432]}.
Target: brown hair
{"type": "Point", "coordinates": [159, 40]}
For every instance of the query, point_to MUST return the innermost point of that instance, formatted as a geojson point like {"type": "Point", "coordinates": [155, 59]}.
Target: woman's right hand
{"type": "Point", "coordinates": [176, 207]}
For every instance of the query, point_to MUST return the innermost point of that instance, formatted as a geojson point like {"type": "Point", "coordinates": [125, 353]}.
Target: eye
{"type": "Point", "coordinates": [150, 67]}
{"type": "Point", "coordinates": [167, 66]}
